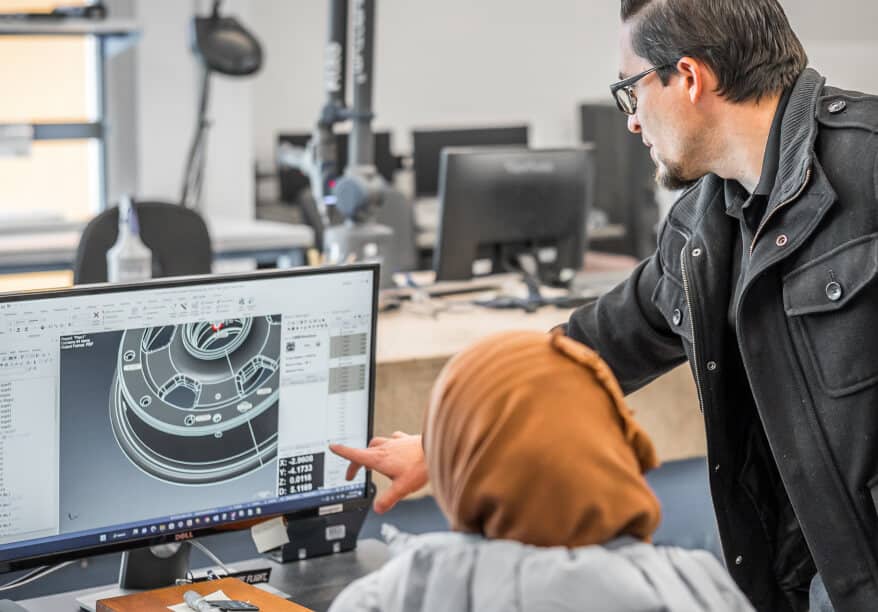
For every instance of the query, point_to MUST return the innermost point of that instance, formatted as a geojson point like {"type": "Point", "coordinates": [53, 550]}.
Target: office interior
{"type": "Point", "coordinates": [89, 117]}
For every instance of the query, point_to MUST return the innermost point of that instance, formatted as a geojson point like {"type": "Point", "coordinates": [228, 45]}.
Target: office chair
{"type": "Point", "coordinates": [177, 236]}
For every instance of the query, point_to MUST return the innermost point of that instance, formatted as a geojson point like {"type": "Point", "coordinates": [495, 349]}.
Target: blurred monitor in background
{"type": "Point", "coordinates": [624, 188]}
{"type": "Point", "coordinates": [428, 144]}
{"type": "Point", "coordinates": [498, 204]}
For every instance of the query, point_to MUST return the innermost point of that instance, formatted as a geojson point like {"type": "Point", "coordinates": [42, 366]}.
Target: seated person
{"type": "Point", "coordinates": [538, 465]}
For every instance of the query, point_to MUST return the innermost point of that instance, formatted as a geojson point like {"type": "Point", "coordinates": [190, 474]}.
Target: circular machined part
{"type": "Point", "coordinates": [185, 425]}
{"type": "Point", "coordinates": [210, 340]}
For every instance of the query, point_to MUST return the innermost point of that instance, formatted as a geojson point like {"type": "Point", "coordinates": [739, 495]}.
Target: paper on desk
{"type": "Point", "coordinates": [184, 607]}
{"type": "Point", "coordinates": [270, 534]}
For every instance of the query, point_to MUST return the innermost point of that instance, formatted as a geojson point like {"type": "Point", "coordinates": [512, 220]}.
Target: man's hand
{"type": "Point", "coordinates": [399, 457]}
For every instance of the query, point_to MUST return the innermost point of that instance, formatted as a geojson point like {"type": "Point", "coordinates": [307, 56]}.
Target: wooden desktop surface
{"type": "Point", "coordinates": [313, 583]}
{"type": "Point", "coordinates": [160, 599]}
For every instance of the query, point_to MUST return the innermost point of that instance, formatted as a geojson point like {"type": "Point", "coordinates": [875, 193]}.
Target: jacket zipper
{"type": "Point", "coordinates": [768, 216]}
{"type": "Point", "coordinates": [686, 292]}
{"type": "Point", "coordinates": [692, 327]}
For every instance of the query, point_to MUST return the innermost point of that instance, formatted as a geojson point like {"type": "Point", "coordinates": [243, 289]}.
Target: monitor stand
{"type": "Point", "coordinates": [144, 568]}
{"type": "Point", "coordinates": [527, 267]}
{"type": "Point", "coordinates": [325, 534]}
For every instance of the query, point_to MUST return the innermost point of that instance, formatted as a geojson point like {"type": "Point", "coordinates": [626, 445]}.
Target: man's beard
{"type": "Point", "coordinates": [673, 177]}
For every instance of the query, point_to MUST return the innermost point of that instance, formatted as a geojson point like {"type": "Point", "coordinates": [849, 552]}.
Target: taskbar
{"type": "Point", "coordinates": [179, 525]}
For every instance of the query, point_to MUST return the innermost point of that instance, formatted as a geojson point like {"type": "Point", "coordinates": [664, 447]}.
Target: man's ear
{"type": "Point", "coordinates": [695, 77]}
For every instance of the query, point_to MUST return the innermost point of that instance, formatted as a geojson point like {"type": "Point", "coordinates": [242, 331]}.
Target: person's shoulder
{"type": "Point", "coordinates": [846, 109]}
{"type": "Point", "coordinates": [704, 577]}
{"type": "Point", "coordinates": [420, 566]}
{"type": "Point", "coordinates": [629, 575]}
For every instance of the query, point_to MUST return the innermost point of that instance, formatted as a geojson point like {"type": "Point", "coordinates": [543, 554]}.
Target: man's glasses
{"type": "Point", "coordinates": [623, 91]}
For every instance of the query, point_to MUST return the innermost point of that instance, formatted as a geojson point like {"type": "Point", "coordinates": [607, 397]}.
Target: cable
{"type": "Point", "coordinates": [33, 577]}
{"type": "Point", "coordinates": [211, 556]}
{"type": "Point", "coordinates": [33, 572]}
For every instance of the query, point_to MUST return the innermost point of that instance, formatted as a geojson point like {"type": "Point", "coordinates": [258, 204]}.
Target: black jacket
{"type": "Point", "coordinates": [795, 480]}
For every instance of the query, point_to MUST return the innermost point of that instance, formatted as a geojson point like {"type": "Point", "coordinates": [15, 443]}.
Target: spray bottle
{"type": "Point", "coordinates": [129, 260]}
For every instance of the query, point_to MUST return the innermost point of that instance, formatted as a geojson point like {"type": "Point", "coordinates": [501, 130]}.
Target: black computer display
{"type": "Point", "coordinates": [292, 182]}
{"type": "Point", "coordinates": [496, 204]}
{"type": "Point", "coordinates": [428, 144]}
{"type": "Point", "coordinates": [624, 177]}
{"type": "Point", "coordinates": [130, 415]}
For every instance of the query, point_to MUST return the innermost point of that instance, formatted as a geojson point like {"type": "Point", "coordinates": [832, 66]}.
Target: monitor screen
{"type": "Point", "coordinates": [624, 178]}
{"type": "Point", "coordinates": [428, 145]}
{"type": "Point", "coordinates": [496, 204]}
{"type": "Point", "coordinates": [132, 414]}
{"type": "Point", "coordinates": [292, 181]}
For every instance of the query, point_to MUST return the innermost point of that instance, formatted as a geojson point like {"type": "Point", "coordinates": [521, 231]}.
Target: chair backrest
{"type": "Point", "coordinates": [176, 235]}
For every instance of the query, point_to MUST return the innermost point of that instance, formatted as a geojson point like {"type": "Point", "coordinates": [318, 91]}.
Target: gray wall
{"type": "Point", "coordinates": [453, 62]}
{"type": "Point", "coordinates": [840, 38]}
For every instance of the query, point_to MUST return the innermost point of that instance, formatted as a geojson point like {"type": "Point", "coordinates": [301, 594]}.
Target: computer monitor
{"type": "Point", "coordinates": [292, 182]}
{"type": "Point", "coordinates": [427, 145]}
{"type": "Point", "coordinates": [624, 179]}
{"type": "Point", "coordinates": [141, 414]}
{"type": "Point", "coordinates": [497, 204]}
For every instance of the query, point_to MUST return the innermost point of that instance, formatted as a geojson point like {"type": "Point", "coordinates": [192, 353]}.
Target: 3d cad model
{"type": "Point", "coordinates": [197, 403]}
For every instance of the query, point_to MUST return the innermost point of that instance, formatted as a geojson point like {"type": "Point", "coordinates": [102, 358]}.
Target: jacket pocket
{"type": "Point", "coordinates": [670, 299]}
{"type": "Point", "coordinates": [832, 302]}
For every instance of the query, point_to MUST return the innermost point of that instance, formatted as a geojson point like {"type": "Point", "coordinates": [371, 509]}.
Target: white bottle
{"type": "Point", "coordinates": [129, 260]}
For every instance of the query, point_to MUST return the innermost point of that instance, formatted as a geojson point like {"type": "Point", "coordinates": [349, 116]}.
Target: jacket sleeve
{"type": "Point", "coordinates": [627, 329]}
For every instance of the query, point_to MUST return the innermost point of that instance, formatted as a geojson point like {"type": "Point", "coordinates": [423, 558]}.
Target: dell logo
{"type": "Point", "coordinates": [186, 535]}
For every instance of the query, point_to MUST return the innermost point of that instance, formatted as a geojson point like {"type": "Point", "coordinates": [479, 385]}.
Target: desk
{"type": "Point", "coordinates": [264, 241]}
{"type": "Point", "coordinates": [413, 348]}
{"type": "Point", "coordinates": [313, 583]}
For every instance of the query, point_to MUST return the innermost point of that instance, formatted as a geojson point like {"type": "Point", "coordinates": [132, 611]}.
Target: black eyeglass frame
{"type": "Point", "coordinates": [625, 88]}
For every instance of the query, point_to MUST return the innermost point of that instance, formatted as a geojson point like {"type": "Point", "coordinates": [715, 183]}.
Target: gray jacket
{"type": "Point", "coordinates": [459, 573]}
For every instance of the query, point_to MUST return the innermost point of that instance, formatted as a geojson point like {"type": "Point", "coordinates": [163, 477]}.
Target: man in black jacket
{"type": "Point", "coordinates": [765, 280]}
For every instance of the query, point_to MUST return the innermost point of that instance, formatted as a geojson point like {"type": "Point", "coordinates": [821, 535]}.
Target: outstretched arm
{"type": "Point", "coordinates": [399, 457]}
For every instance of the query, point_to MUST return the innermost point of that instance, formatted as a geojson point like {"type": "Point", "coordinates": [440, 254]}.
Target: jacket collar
{"type": "Point", "coordinates": [798, 131]}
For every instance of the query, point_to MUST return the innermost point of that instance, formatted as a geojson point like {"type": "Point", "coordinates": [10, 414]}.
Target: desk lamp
{"type": "Point", "coordinates": [226, 47]}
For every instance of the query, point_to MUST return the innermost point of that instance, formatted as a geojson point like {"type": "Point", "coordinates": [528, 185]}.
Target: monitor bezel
{"type": "Point", "coordinates": [447, 270]}
{"type": "Point", "coordinates": [184, 281]}
{"type": "Point", "coordinates": [457, 137]}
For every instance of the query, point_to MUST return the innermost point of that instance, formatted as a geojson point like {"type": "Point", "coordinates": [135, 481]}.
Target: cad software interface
{"type": "Point", "coordinates": [137, 413]}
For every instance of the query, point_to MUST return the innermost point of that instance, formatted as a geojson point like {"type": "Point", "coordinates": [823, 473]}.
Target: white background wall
{"type": "Point", "coordinates": [453, 62]}
{"type": "Point", "coordinates": [168, 83]}
{"type": "Point", "coordinates": [446, 63]}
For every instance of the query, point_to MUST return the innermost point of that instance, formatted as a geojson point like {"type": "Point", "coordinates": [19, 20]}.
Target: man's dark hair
{"type": "Point", "coordinates": [748, 44]}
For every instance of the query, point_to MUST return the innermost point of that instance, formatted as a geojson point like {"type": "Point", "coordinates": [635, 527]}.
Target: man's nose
{"type": "Point", "coordinates": [633, 124]}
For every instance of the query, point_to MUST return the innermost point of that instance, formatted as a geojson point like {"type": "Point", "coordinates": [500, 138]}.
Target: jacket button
{"type": "Point", "coordinates": [711, 365]}
{"type": "Point", "coordinates": [696, 252]}
{"type": "Point", "coordinates": [833, 291]}
{"type": "Point", "coordinates": [678, 316]}
{"type": "Point", "coordinates": [739, 560]}
{"type": "Point", "coordinates": [837, 106]}
{"type": "Point", "coordinates": [781, 240]}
